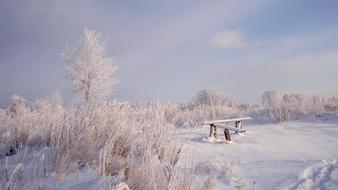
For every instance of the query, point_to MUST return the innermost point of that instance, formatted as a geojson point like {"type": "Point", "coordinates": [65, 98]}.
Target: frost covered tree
{"type": "Point", "coordinates": [91, 72]}
{"type": "Point", "coordinates": [211, 98]}
{"type": "Point", "coordinates": [293, 106]}
{"type": "Point", "coordinates": [271, 102]}
{"type": "Point", "coordinates": [271, 99]}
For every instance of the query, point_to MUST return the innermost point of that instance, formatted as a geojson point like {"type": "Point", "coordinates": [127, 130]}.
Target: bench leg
{"type": "Point", "coordinates": [238, 125]}
{"type": "Point", "coordinates": [211, 127]}
{"type": "Point", "coordinates": [215, 132]}
{"type": "Point", "coordinates": [227, 135]}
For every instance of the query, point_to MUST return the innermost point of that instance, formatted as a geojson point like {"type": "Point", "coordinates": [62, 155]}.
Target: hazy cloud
{"type": "Point", "coordinates": [229, 39]}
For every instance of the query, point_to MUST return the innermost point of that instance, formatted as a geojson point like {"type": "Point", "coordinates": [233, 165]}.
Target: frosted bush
{"type": "Point", "coordinates": [17, 107]}
{"type": "Point", "coordinates": [331, 105]}
{"type": "Point", "coordinates": [207, 105]}
{"type": "Point", "coordinates": [121, 186]}
{"type": "Point", "coordinates": [315, 105]}
{"type": "Point", "coordinates": [295, 106]}
{"type": "Point", "coordinates": [195, 116]}
{"type": "Point", "coordinates": [133, 141]}
{"type": "Point", "coordinates": [16, 116]}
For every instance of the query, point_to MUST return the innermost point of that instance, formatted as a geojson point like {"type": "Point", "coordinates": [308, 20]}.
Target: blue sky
{"type": "Point", "coordinates": [169, 50]}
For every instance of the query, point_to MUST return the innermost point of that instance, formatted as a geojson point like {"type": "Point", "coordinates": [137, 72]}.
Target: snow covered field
{"type": "Point", "coordinates": [290, 155]}
{"type": "Point", "coordinates": [289, 144]}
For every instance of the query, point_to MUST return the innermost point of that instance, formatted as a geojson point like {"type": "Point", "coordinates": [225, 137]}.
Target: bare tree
{"type": "Point", "coordinates": [92, 74]}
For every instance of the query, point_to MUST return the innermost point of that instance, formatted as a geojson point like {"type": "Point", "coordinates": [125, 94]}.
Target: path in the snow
{"type": "Point", "coordinates": [323, 175]}
{"type": "Point", "coordinates": [292, 155]}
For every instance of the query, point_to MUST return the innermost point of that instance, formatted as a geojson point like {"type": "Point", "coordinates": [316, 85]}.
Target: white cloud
{"type": "Point", "coordinates": [229, 39]}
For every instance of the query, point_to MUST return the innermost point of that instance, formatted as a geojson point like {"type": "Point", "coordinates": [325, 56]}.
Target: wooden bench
{"type": "Point", "coordinates": [238, 128]}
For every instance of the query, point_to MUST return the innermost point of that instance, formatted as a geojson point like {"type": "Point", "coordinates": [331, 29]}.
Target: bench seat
{"type": "Point", "coordinates": [238, 128]}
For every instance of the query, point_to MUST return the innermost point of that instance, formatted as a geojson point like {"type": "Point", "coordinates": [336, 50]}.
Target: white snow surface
{"type": "Point", "coordinates": [292, 155]}
{"type": "Point", "coordinates": [30, 165]}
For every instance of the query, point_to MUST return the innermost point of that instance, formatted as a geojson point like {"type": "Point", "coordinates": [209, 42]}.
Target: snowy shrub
{"type": "Point", "coordinates": [207, 105]}
{"type": "Point", "coordinates": [171, 111]}
{"type": "Point", "coordinates": [17, 107]}
{"type": "Point", "coordinates": [315, 106]}
{"type": "Point", "coordinates": [121, 186]}
{"type": "Point", "coordinates": [209, 183]}
{"type": "Point", "coordinates": [295, 106]}
{"type": "Point", "coordinates": [193, 117]}
{"type": "Point", "coordinates": [133, 143]}
{"type": "Point", "coordinates": [332, 104]}
{"type": "Point", "coordinates": [17, 115]}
